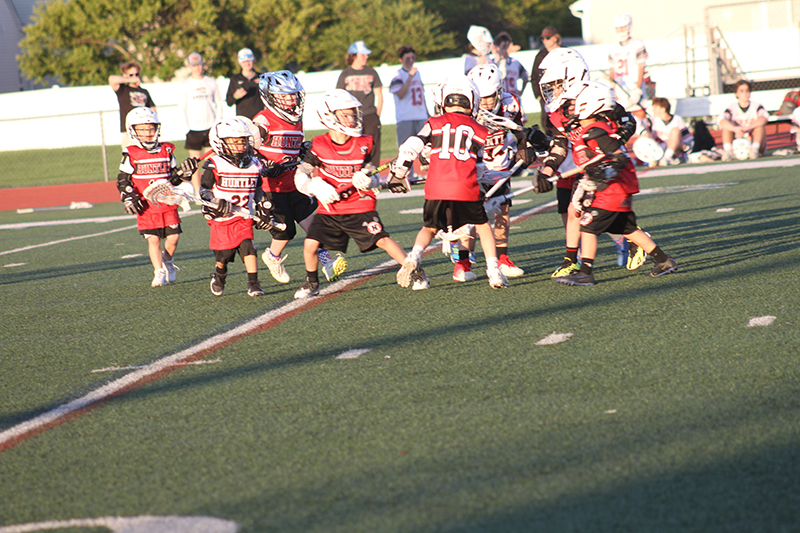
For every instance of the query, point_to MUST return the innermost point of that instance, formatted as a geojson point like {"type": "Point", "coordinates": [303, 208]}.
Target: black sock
{"type": "Point", "coordinates": [313, 277]}
{"type": "Point", "coordinates": [572, 254]}
{"type": "Point", "coordinates": [658, 255]}
{"type": "Point", "coordinates": [586, 265]}
{"type": "Point", "coordinates": [502, 250]}
{"type": "Point", "coordinates": [252, 277]}
{"type": "Point", "coordinates": [221, 273]}
{"type": "Point", "coordinates": [463, 254]}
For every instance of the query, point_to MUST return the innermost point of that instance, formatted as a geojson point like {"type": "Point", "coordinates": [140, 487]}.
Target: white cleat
{"type": "Point", "coordinates": [332, 268]}
{"type": "Point", "coordinates": [159, 278]}
{"type": "Point", "coordinates": [276, 267]}
{"type": "Point", "coordinates": [404, 274]}
{"type": "Point", "coordinates": [497, 280]}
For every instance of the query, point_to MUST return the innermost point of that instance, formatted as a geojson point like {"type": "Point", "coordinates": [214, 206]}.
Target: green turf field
{"type": "Point", "coordinates": [663, 412]}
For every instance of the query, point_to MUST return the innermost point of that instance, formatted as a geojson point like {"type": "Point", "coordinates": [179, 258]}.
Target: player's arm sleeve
{"type": "Point", "coordinates": [123, 181]}
{"type": "Point", "coordinates": [208, 180]}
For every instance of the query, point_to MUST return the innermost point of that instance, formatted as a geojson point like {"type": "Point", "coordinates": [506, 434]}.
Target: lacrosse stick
{"type": "Point", "coordinates": [164, 193]}
{"type": "Point", "coordinates": [497, 122]}
{"type": "Point", "coordinates": [499, 183]}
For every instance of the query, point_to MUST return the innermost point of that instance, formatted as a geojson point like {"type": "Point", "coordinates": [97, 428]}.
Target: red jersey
{"type": "Point", "coordinates": [144, 168]}
{"type": "Point", "coordinates": [238, 186]}
{"type": "Point", "coordinates": [457, 142]}
{"type": "Point", "coordinates": [282, 144]}
{"type": "Point", "coordinates": [618, 195]}
{"type": "Point", "coordinates": [562, 124]}
{"type": "Point", "coordinates": [336, 164]}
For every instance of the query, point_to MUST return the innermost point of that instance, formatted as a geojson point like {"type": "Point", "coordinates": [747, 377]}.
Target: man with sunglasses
{"type": "Point", "coordinates": [129, 94]}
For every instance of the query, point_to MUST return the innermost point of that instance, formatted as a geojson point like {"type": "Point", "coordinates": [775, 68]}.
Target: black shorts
{"type": "Point", "coordinates": [288, 208]}
{"type": "Point", "coordinates": [196, 140]}
{"type": "Point", "coordinates": [502, 190]}
{"type": "Point", "coordinates": [334, 231]}
{"type": "Point", "coordinates": [452, 214]}
{"type": "Point", "coordinates": [564, 197]}
{"type": "Point", "coordinates": [246, 247]}
{"type": "Point", "coordinates": [597, 221]}
{"type": "Point", "coordinates": [161, 233]}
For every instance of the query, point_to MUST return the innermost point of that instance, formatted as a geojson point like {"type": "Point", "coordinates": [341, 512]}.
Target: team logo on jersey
{"type": "Point", "coordinates": [363, 150]}
{"type": "Point", "coordinates": [285, 141]}
{"type": "Point", "coordinates": [156, 167]}
{"type": "Point", "coordinates": [587, 217]}
{"type": "Point", "coordinates": [374, 226]}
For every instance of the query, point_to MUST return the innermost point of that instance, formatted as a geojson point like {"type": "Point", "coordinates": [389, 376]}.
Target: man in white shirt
{"type": "Point", "coordinates": [627, 60]}
{"type": "Point", "coordinates": [410, 109]}
{"type": "Point", "coordinates": [200, 104]}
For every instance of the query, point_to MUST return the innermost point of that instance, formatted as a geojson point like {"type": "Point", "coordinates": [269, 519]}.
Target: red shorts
{"type": "Point", "coordinates": [154, 218]}
{"type": "Point", "coordinates": [230, 234]}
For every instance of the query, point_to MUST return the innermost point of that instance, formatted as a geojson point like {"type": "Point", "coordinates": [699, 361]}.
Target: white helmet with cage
{"type": "Point", "coordinates": [460, 91]}
{"type": "Point", "coordinates": [593, 97]}
{"type": "Point", "coordinates": [140, 116]}
{"type": "Point", "coordinates": [438, 101]}
{"type": "Point", "coordinates": [489, 81]}
{"type": "Point", "coordinates": [283, 94]}
{"type": "Point", "coordinates": [231, 139]}
{"type": "Point", "coordinates": [339, 100]}
{"type": "Point", "coordinates": [480, 38]}
{"type": "Point", "coordinates": [622, 27]}
{"type": "Point", "coordinates": [563, 69]}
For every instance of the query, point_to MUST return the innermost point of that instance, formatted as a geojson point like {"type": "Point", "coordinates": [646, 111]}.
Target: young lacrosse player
{"type": "Point", "coordinates": [232, 179]}
{"type": "Point", "coordinates": [452, 194]}
{"type": "Point", "coordinates": [282, 148]}
{"type": "Point", "coordinates": [344, 187]}
{"type": "Point", "coordinates": [143, 162]}
{"type": "Point", "coordinates": [502, 150]}
{"type": "Point", "coordinates": [603, 198]}
{"type": "Point", "coordinates": [564, 70]}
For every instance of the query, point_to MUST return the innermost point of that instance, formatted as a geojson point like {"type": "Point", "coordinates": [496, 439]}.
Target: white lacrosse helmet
{"type": "Point", "coordinates": [593, 98]}
{"type": "Point", "coordinates": [140, 116]}
{"type": "Point", "coordinates": [648, 150]}
{"type": "Point", "coordinates": [438, 100]}
{"type": "Point", "coordinates": [253, 130]}
{"type": "Point", "coordinates": [622, 26]}
{"type": "Point", "coordinates": [563, 69]}
{"type": "Point", "coordinates": [480, 38]}
{"type": "Point", "coordinates": [340, 100]}
{"type": "Point", "coordinates": [489, 81]}
{"type": "Point", "coordinates": [283, 94]}
{"type": "Point", "coordinates": [741, 148]}
{"type": "Point", "coordinates": [461, 91]}
{"type": "Point", "coordinates": [224, 139]}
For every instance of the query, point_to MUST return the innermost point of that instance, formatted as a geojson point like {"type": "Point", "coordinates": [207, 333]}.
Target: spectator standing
{"type": "Point", "coordinates": [200, 104]}
{"type": "Point", "coordinates": [627, 60]}
{"type": "Point", "coordinates": [550, 41]}
{"type": "Point", "coordinates": [243, 88]}
{"type": "Point", "coordinates": [743, 120]}
{"type": "Point", "coordinates": [129, 94]}
{"type": "Point", "coordinates": [511, 69]}
{"type": "Point", "coordinates": [363, 82]}
{"type": "Point", "coordinates": [410, 109]}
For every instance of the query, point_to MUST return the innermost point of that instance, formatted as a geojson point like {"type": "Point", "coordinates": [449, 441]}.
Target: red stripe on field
{"type": "Point", "coordinates": [58, 195]}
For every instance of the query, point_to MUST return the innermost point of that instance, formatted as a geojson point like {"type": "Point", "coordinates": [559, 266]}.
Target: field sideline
{"type": "Point", "coordinates": [670, 405]}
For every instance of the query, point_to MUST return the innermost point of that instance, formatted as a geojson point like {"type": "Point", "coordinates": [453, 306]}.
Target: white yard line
{"type": "Point", "coordinates": [60, 241]}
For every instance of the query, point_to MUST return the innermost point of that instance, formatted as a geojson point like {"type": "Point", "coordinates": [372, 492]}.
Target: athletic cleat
{"type": "Point", "coordinates": [753, 154]}
{"type": "Point", "coordinates": [170, 266]}
{"type": "Point", "coordinates": [672, 161]}
{"type": "Point", "coordinates": [566, 268]}
{"type": "Point", "coordinates": [406, 271]}
{"type": "Point", "coordinates": [497, 280]}
{"type": "Point", "coordinates": [217, 286]}
{"type": "Point", "coordinates": [254, 289]}
{"type": "Point", "coordinates": [463, 271]}
{"type": "Point", "coordinates": [276, 267]}
{"type": "Point", "coordinates": [666, 267]}
{"type": "Point", "coordinates": [508, 268]}
{"type": "Point", "coordinates": [636, 257]}
{"type": "Point", "coordinates": [727, 155]}
{"type": "Point", "coordinates": [332, 268]}
{"type": "Point", "coordinates": [308, 288]}
{"type": "Point", "coordinates": [622, 251]}
{"type": "Point", "coordinates": [159, 277]}
{"type": "Point", "coordinates": [420, 280]}
{"type": "Point", "coordinates": [577, 278]}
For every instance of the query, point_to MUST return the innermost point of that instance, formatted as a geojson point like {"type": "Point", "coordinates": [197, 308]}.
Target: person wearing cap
{"type": "Point", "coordinates": [243, 87]}
{"type": "Point", "coordinates": [363, 82]}
{"type": "Point", "coordinates": [200, 104]}
{"type": "Point", "coordinates": [550, 41]}
{"type": "Point", "coordinates": [130, 94]}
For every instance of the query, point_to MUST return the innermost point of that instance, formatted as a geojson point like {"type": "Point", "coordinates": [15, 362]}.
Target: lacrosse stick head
{"type": "Point", "coordinates": [143, 127]}
{"type": "Point", "coordinates": [492, 207]}
{"type": "Point", "coordinates": [161, 192]}
{"type": "Point", "coordinates": [648, 150]}
{"type": "Point", "coordinates": [480, 38]}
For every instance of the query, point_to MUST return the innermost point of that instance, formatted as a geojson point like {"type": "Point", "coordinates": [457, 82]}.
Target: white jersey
{"type": "Point", "coordinates": [744, 117]}
{"type": "Point", "coordinates": [661, 130]}
{"type": "Point", "coordinates": [200, 103]}
{"type": "Point", "coordinates": [411, 106]}
{"type": "Point", "coordinates": [625, 60]}
{"type": "Point", "coordinates": [500, 149]}
{"type": "Point", "coordinates": [512, 71]}
{"type": "Point", "coordinates": [234, 184]}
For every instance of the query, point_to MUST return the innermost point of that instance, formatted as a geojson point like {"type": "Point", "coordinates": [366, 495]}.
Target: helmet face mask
{"type": "Point", "coordinates": [341, 112]}
{"type": "Point", "coordinates": [283, 94]}
{"type": "Point", "coordinates": [622, 27]}
{"type": "Point", "coordinates": [564, 69]}
{"type": "Point", "coordinates": [232, 140]}
{"type": "Point", "coordinates": [143, 127]}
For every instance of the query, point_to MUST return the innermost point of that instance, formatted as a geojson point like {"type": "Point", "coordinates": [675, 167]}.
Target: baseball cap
{"type": "Point", "coordinates": [194, 59]}
{"type": "Point", "coordinates": [245, 54]}
{"type": "Point", "coordinates": [359, 47]}
{"type": "Point", "coordinates": [549, 32]}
